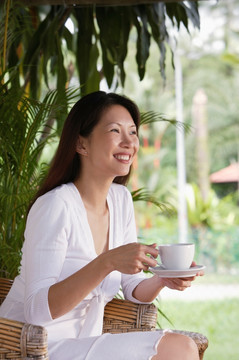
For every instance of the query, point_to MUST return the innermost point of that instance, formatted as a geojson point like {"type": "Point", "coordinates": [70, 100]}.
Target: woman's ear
{"type": "Point", "coordinates": [80, 146]}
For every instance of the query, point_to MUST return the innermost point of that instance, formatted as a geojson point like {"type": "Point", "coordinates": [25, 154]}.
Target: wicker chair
{"type": "Point", "coordinates": [26, 341]}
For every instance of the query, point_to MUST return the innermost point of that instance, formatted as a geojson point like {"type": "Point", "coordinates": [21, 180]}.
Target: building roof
{"type": "Point", "coordinates": [227, 174]}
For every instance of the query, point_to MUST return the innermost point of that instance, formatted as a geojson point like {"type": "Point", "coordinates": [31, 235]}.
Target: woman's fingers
{"type": "Point", "coordinates": [148, 255]}
{"type": "Point", "coordinates": [132, 258]}
{"type": "Point", "coordinates": [200, 273]}
{"type": "Point", "coordinates": [177, 283]}
{"type": "Point", "coordinates": [181, 283]}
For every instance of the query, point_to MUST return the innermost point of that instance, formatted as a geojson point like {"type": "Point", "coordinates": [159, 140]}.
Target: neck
{"type": "Point", "coordinates": [93, 193]}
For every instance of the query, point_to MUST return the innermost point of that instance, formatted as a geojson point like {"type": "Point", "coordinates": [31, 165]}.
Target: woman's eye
{"type": "Point", "coordinates": [114, 130]}
{"type": "Point", "coordinates": [134, 132]}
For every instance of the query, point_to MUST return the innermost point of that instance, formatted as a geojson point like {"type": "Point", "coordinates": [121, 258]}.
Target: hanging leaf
{"type": "Point", "coordinates": [156, 18]}
{"type": "Point", "coordinates": [61, 71]}
{"type": "Point", "coordinates": [67, 35]}
{"type": "Point", "coordinates": [122, 48]}
{"type": "Point", "coordinates": [113, 42]}
{"type": "Point", "coordinates": [139, 18]}
{"type": "Point", "coordinates": [86, 57]}
{"type": "Point", "coordinates": [46, 43]}
{"type": "Point", "coordinates": [40, 43]}
{"type": "Point", "coordinates": [34, 47]}
{"type": "Point", "coordinates": [34, 78]}
{"type": "Point", "coordinates": [107, 23]}
{"type": "Point", "coordinates": [93, 80]}
{"type": "Point", "coordinates": [192, 13]}
{"type": "Point", "coordinates": [181, 12]}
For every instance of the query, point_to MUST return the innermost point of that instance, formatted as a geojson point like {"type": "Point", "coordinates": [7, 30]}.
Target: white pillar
{"type": "Point", "coordinates": [180, 147]}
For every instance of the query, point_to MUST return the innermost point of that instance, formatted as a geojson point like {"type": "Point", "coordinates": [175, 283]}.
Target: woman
{"type": "Point", "coordinates": [81, 243]}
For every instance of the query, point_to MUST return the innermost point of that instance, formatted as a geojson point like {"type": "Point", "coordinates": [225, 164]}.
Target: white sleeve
{"type": "Point", "coordinates": [129, 282]}
{"type": "Point", "coordinates": [44, 254]}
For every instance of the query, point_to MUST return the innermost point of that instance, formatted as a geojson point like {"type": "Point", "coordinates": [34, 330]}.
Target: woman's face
{"type": "Point", "coordinates": [112, 145]}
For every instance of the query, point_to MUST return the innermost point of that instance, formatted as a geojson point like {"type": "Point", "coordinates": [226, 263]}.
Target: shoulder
{"type": "Point", "coordinates": [58, 199]}
{"type": "Point", "coordinates": [120, 194]}
{"type": "Point", "coordinates": [120, 190]}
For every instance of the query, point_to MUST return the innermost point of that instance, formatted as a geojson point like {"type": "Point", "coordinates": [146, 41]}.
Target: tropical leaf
{"type": "Point", "coordinates": [24, 133]}
{"type": "Point", "coordinates": [191, 8]}
{"type": "Point", "coordinates": [139, 18]}
{"type": "Point", "coordinates": [122, 49]}
{"type": "Point", "coordinates": [37, 36]}
{"type": "Point", "coordinates": [150, 117]}
{"type": "Point", "coordinates": [86, 49]}
{"type": "Point", "coordinates": [143, 194]}
{"type": "Point", "coordinates": [182, 11]}
{"type": "Point", "coordinates": [46, 42]}
{"type": "Point", "coordinates": [113, 42]}
{"type": "Point", "coordinates": [156, 18]}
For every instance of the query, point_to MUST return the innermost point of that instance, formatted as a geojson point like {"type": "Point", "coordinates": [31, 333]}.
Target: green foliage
{"type": "Point", "coordinates": [200, 212]}
{"type": "Point", "coordinates": [215, 213]}
{"type": "Point", "coordinates": [38, 38]}
{"type": "Point", "coordinates": [34, 41]}
{"type": "Point", "coordinates": [213, 227]}
{"type": "Point", "coordinates": [86, 50]}
{"type": "Point", "coordinates": [26, 127]}
{"type": "Point", "coordinates": [202, 60]}
{"type": "Point", "coordinates": [145, 195]}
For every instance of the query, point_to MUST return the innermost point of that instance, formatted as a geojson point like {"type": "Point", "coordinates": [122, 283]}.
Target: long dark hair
{"type": "Point", "coordinates": [83, 117]}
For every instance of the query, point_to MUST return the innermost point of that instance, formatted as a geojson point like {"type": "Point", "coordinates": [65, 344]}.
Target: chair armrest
{"type": "Point", "coordinates": [22, 341]}
{"type": "Point", "coordinates": [124, 316]}
{"type": "Point", "coordinates": [5, 286]}
{"type": "Point", "coordinates": [200, 340]}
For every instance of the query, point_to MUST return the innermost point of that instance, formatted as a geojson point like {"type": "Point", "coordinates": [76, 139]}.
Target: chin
{"type": "Point", "coordinates": [123, 172]}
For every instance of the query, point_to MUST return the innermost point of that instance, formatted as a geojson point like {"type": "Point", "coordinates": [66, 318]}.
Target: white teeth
{"type": "Point", "coordinates": [122, 157]}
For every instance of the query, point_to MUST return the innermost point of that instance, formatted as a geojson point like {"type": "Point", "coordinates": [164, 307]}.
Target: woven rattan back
{"type": "Point", "coordinates": [19, 340]}
{"type": "Point", "coordinates": [125, 316]}
{"type": "Point", "coordinates": [22, 341]}
{"type": "Point", "coordinates": [5, 286]}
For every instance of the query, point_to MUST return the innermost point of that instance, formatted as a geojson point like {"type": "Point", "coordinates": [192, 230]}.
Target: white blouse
{"type": "Point", "coordinates": [58, 242]}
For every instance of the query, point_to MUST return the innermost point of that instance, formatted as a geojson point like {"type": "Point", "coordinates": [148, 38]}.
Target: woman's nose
{"type": "Point", "coordinates": [127, 140]}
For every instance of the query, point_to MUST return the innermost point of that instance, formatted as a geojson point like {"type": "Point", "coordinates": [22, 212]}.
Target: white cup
{"type": "Point", "coordinates": [176, 256]}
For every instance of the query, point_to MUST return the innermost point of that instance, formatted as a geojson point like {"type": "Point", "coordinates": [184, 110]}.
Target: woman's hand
{"type": "Point", "coordinates": [180, 283]}
{"type": "Point", "coordinates": [148, 289]}
{"type": "Point", "coordinates": [177, 283]}
{"type": "Point", "coordinates": [132, 258]}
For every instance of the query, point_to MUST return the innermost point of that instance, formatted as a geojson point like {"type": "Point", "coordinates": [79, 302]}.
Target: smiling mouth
{"type": "Point", "coordinates": [122, 157]}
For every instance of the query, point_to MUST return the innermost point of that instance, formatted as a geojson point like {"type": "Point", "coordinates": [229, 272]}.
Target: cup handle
{"type": "Point", "coordinates": [160, 264]}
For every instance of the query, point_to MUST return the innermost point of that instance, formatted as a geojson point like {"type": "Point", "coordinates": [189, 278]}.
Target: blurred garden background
{"type": "Point", "coordinates": [52, 55]}
{"type": "Point", "coordinates": [210, 67]}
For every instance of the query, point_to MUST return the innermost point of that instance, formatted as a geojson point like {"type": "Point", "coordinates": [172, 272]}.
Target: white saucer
{"type": "Point", "coordinates": [167, 273]}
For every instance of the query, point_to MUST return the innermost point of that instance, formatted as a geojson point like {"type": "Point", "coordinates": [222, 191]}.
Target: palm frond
{"type": "Point", "coordinates": [161, 313]}
{"type": "Point", "coordinates": [26, 127]}
{"type": "Point", "coordinates": [143, 194]}
{"type": "Point", "coordinates": [150, 117]}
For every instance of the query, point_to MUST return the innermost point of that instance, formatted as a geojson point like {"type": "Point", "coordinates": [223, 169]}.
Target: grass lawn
{"type": "Point", "coordinates": [212, 278]}
{"type": "Point", "coordinates": [217, 319]}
